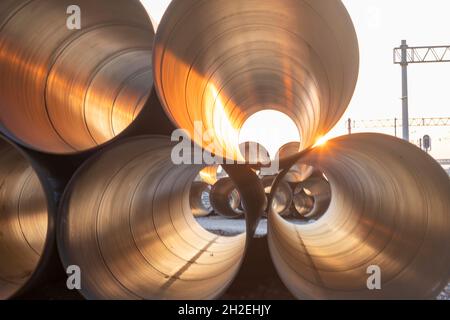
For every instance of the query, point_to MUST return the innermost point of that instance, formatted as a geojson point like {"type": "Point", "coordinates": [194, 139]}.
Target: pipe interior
{"type": "Point", "coordinates": [127, 222]}
{"type": "Point", "coordinates": [226, 199]}
{"type": "Point", "coordinates": [219, 62]}
{"type": "Point", "coordinates": [299, 172]}
{"type": "Point", "coordinates": [315, 190]}
{"type": "Point", "coordinates": [303, 204]}
{"type": "Point", "coordinates": [199, 199]}
{"type": "Point", "coordinates": [76, 89]}
{"type": "Point", "coordinates": [282, 199]}
{"type": "Point", "coordinates": [389, 208]}
{"type": "Point", "coordinates": [23, 220]}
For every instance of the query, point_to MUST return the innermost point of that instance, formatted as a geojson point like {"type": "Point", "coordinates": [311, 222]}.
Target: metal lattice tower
{"type": "Point", "coordinates": [405, 55]}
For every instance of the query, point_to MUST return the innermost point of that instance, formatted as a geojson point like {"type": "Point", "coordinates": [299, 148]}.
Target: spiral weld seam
{"type": "Point", "coordinates": [397, 219]}
{"type": "Point", "coordinates": [134, 183]}
{"type": "Point", "coordinates": [101, 74]}
{"type": "Point", "coordinates": [125, 217]}
{"type": "Point", "coordinates": [27, 213]}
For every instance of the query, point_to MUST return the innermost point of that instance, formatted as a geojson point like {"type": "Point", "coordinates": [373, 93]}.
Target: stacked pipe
{"type": "Point", "coordinates": [126, 217]}
{"type": "Point", "coordinates": [312, 196]}
{"type": "Point", "coordinates": [25, 233]}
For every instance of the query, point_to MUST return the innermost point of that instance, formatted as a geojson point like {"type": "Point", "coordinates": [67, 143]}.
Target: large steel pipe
{"type": "Point", "coordinates": [390, 208]}
{"type": "Point", "coordinates": [225, 199]}
{"type": "Point", "coordinates": [199, 199]}
{"type": "Point", "coordinates": [219, 62]}
{"type": "Point", "coordinates": [282, 198]}
{"type": "Point", "coordinates": [298, 172]}
{"type": "Point", "coordinates": [303, 203]}
{"type": "Point", "coordinates": [26, 224]}
{"type": "Point", "coordinates": [316, 188]}
{"type": "Point", "coordinates": [209, 175]}
{"type": "Point", "coordinates": [127, 222]}
{"type": "Point", "coordinates": [65, 91]}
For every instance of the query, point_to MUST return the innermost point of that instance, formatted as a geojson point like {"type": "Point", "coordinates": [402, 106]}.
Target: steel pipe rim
{"type": "Point", "coordinates": [84, 87]}
{"type": "Point", "coordinates": [298, 172]}
{"type": "Point", "coordinates": [191, 262]}
{"type": "Point", "coordinates": [317, 188]}
{"type": "Point", "coordinates": [407, 236]}
{"type": "Point", "coordinates": [222, 78]}
{"type": "Point", "coordinates": [200, 206]}
{"type": "Point", "coordinates": [31, 231]}
{"type": "Point", "coordinates": [225, 199]}
{"type": "Point", "coordinates": [282, 198]}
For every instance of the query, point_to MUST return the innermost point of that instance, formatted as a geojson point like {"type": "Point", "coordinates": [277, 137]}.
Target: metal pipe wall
{"type": "Point", "coordinates": [389, 208]}
{"type": "Point", "coordinates": [316, 188]}
{"type": "Point", "coordinates": [66, 91]}
{"type": "Point", "coordinates": [26, 222]}
{"type": "Point", "coordinates": [219, 62]}
{"type": "Point", "coordinates": [127, 222]}
{"type": "Point", "coordinates": [126, 218]}
{"type": "Point", "coordinates": [199, 199]}
{"type": "Point", "coordinates": [282, 199]}
{"type": "Point", "coordinates": [225, 199]}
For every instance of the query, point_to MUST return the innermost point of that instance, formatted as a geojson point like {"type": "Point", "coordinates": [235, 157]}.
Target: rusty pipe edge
{"type": "Point", "coordinates": [27, 213]}
{"type": "Point", "coordinates": [66, 91]}
{"type": "Point", "coordinates": [226, 200]}
{"type": "Point", "coordinates": [126, 220]}
{"type": "Point", "coordinates": [199, 199]}
{"type": "Point", "coordinates": [389, 208]}
{"type": "Point", "coordinates": [221, 61]}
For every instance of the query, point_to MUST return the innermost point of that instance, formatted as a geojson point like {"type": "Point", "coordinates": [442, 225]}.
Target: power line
{"type": "Point", "coordinates": [396, 123]}
{"type": "Point", "coordinates": [444, 162]}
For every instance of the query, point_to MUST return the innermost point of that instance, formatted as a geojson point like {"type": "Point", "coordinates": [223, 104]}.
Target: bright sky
{"type": "Point", "coordinates": [381, 25]}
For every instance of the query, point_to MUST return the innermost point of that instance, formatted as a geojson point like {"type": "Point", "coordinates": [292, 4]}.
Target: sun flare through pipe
{"type": "Point", "coordinates": [216, 63]}
{"type": "Point", "coordinates": [390, 208]}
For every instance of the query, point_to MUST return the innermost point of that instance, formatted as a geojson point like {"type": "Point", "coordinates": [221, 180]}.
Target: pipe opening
{"type": "Point", "coordinates": [389, 208]}
{"type": "Point", "coordinates": [271, 129]}
{"type": "Point", "coordinates": [81, 88]}
{"type": "Point", "coordinates": [199, 199]}
{"type": "Point", "coordinates": [226, 199]}
{"type": "Point", "coordinates": [282, 199]}
{"type": "Point", "coordinates": [23, 220]}
{"type": "Point", "coordinates": [312, 197]}
{"type": "Point", "coordinates": [207, 71]}
{"type": "Point", "coordinates": [127, 222]}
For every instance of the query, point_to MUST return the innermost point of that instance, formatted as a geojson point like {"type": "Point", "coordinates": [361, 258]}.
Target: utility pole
{"type": "Point", "coordinates": [405, 109]}
{"type": "Point", "coordinates": [405, 55]}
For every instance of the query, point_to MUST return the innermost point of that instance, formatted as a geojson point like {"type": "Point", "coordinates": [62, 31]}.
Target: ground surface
{"type": "Point", "coordinates": [251, 283]}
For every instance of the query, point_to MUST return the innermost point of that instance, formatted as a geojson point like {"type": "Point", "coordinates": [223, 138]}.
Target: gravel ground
{"type": "Point", "coordinates": [231, 227]}
{"type": "Point", "coordinates": [445, 295]}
